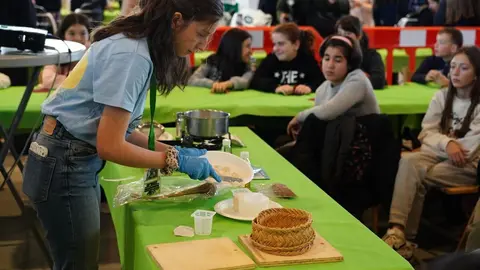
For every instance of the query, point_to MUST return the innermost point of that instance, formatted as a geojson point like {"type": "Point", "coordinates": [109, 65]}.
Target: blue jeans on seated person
{"type": "Point", "coordinates": [64, 190]}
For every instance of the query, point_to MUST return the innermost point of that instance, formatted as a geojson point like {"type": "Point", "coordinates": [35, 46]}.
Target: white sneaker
{"type": "Point", "coordinates": [407, 250]}
{"type": "Point", "coordinates": [395, 238]}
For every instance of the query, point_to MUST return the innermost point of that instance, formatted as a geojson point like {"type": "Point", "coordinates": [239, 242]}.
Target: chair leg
{"type": "Point", "coordinates": [466, 231]}
{"type": "Point", "coordinates": [375, 211]}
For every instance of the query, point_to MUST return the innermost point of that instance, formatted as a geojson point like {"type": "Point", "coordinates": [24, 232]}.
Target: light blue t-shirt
{"type": "Point", "coordinates": [115, 72]}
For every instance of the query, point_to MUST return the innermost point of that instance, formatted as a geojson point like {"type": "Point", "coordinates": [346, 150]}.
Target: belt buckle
{"type": "Point", "coordinates": [49, 125]}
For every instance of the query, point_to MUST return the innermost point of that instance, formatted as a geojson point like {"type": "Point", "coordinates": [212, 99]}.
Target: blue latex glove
{"type": "Point", "coordinates": [193, 152]}
{"type": "Point", "coordinates": [196, 167]}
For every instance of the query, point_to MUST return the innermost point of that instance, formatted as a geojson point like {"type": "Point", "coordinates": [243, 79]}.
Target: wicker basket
{"type": "Point", "coordinates": [283, 231]}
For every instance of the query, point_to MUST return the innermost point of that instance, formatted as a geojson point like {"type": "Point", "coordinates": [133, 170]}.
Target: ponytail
{"type": "Point", "coordinates": [294, 34]}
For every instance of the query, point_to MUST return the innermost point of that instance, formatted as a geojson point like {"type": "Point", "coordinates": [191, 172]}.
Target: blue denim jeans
{"type": "Point", "coordinates": [64, 190]}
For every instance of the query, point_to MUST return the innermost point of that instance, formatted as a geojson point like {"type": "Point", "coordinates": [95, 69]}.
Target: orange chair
{"type": "Point", "coordinates": [262, 39]}
{"type": "Point", "coordinates": [408, 38]}
{"type": "Point", "coordinates": [464, 191]}
{"type": "Point", "coordinates": [411, 39]}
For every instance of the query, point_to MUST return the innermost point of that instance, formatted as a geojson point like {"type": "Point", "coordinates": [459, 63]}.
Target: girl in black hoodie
{"type": "Point", "coordinates": [372, 63]}
{"type": "Point", "coordinates": [291, 68]}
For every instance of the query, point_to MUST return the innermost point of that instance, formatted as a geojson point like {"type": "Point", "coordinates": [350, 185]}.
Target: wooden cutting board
{"type": "Point", "coordinates": [208, 254]}
{"type": "Point", "coordinates": [321, 252]}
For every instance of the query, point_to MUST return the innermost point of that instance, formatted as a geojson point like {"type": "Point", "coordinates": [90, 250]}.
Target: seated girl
{"type": "Point", "coordinates": [448, 157]}
{"type": "Point", "coordinates": [74, 27]}
{"type": "Point", "coordinates": [372, 63]}
{"type": "Point", "coordinates": [228, 68]}
{"type": "Point", "coordinates": [291, 68]}
{"type": "Point", "coordinates": [347, 90]}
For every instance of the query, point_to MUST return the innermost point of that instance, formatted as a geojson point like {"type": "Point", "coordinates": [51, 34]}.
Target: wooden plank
{"type": "Point", "coordinates": [208, 254]}
{"type": "Point", "coordinates": [321, 252]}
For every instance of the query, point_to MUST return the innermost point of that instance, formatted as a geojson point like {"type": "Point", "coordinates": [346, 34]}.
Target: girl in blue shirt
{"type": "Point", "coordinates": [92, 117]}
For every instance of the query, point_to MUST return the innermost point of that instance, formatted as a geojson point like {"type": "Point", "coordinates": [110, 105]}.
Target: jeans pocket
{"type": "Point", "coordinates": [37, 177]}
{"type": "Point", "coordinates": [83, 165]}
{"type": "Point", "coordinates": [81, 152]}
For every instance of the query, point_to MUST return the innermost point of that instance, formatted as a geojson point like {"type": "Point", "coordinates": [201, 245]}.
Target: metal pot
{"type": "Point", "coordinates": [205, 123]}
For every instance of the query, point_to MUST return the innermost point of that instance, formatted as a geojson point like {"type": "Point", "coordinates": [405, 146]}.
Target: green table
{"type": "Point", "coordinates": [140, 224]}
{"type": "Point", "coordinates": [108, 15]}
{"type": "Point", "coordinates": [407, 99]}
{"type": "Point", "coordinates": [200, 57]}
{"type": "Point", "coordinates": [10, 99]}
{"type": "Point", "coordinates": [394, 100]}
{"type": "Point", "coordinates": [400, 58]}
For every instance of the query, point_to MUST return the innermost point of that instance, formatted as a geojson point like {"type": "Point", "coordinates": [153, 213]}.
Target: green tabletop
{"type": "Point", "coordinates": [200, 57]}
{"type": "Point", "coordinates": [400, 57]}
{"type": "Point", "coordinates": [407, 99]}
{"type": "Point", "coordinates": [10, 99]}
{"type": "Point", "coordinates": [108, 15]}
{"type": "Point", "coordinates": [140, 224]}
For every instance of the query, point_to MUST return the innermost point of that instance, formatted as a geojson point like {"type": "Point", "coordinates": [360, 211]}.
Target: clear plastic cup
{"type": "Point", "coordinates": [203, 220]}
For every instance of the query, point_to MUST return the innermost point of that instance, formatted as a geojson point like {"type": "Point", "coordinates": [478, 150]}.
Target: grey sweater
{"type": "Point", "coordinates": [206, 75]}
{"type": "Point", "coordinates": [354, 96]}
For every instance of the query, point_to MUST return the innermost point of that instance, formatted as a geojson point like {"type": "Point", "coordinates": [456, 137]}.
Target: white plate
{"type": "Point", "coordinates": [225, 208]}
{"type": "Point", "coordinates": [234, 163]}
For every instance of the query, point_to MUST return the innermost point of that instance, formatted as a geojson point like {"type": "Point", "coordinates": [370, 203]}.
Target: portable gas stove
{"type": "Point", "coordinates": [203, 129]}
{"type": "Point", "coordinates": [209, 144]}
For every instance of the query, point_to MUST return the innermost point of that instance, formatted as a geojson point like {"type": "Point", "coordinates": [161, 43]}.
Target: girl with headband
{"type": "Point", "coordinates": [347, 90]}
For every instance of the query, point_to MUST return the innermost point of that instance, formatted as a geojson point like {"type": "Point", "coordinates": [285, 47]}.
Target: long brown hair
{"type": "Point", "coordinates": [294, 34]}
{"type": "Point", "coordinates": [458, 9]}
{"type": "Point", "coordinates": [228, 58]}
{"type": "Point", "coordinates": [473, 55]}
{"type": "Point", "coordinates": [153, 20]}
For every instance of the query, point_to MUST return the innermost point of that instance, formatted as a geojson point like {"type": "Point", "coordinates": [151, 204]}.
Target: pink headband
{"type": "Point", "coordinates": [346, 40]}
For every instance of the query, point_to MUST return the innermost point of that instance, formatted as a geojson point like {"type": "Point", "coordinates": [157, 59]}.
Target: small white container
{"type": "Point", "coordinates": [245, 156]}
{"type": "Point", "coordinates": [226, 146]}
{"type": "Point", "coordinates": [203, 220]}
{"type": "Point", "coordinates": [251, 204]}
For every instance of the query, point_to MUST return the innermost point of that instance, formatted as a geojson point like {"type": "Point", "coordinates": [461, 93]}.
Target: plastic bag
{"type": "Point", "coordinates": [259, 173]}
{"type": "Point", "coordinates": [172, 189]}
{"type": "Point", "coordinates": [275, 190]}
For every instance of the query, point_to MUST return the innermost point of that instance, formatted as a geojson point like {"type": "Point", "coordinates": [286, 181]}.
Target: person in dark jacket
{"type": "Point", "coordinates": [372, 63]}
{"type": "Point", "coordinates": [320, 14]}
{"type": "Point", "coordinates": [458, 13]}
{"type": "Point", "coordinates": [385, 12]}
{"type": "Point", "coordinates": [92, 8]}
{"type": "Point", "coordinates": [436, 68]}
{"type": "Point", "coordinates": [269, 7]}
{"type": "Point", "coordinates": [291, 68]}
{"type": "Point", "coordinates": [457, 261]}
{"type": "Point", "coordinates": [52, 6]}
{"type": "Point", "coordinates": [18, 13]}
{"type": "Point", "coordinates": [405, 7]}
{"type": "Point", "coordinates": [312, 154]}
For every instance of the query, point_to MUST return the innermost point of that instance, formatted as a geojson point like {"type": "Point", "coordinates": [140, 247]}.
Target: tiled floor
{"type": "Point", "coordinates": [19, 248]}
